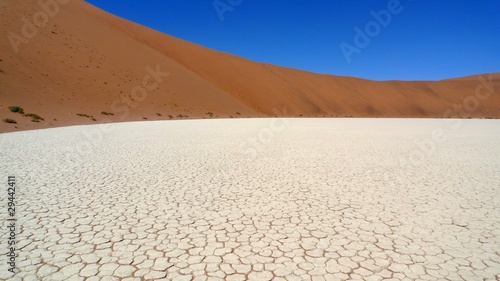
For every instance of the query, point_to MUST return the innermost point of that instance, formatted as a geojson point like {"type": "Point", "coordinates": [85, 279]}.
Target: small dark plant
{"type": "Point", "coordinates": [34, 117]}
{"type": "Point", "coordinates": [11, 121]}
{"type": "Point", "coordinates": [16, 109]}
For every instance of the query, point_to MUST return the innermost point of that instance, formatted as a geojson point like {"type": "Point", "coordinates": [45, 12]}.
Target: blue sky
{"type": "Point", "coordinates": [422, 40]}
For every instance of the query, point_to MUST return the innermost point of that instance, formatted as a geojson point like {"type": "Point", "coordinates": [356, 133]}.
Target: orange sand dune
{"type": "Point", "coordinates": [85, 61]}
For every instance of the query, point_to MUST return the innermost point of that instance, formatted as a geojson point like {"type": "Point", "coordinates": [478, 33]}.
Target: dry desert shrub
{"type": "Point", "coordinates": [16, 109]}
{"type": "Point", "coordinates": [9, 120]}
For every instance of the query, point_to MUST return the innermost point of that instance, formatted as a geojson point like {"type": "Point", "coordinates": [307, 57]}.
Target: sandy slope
{"type": "Point", "coordinates": [87, 61]}
{"type": "Point", "coordinates": [250, 199]}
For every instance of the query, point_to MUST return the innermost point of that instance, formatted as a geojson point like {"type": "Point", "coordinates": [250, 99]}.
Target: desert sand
{"type": "Point", "coordinates": [85, 61]}
{"type": "Point", "coordinates": [258, 199]}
